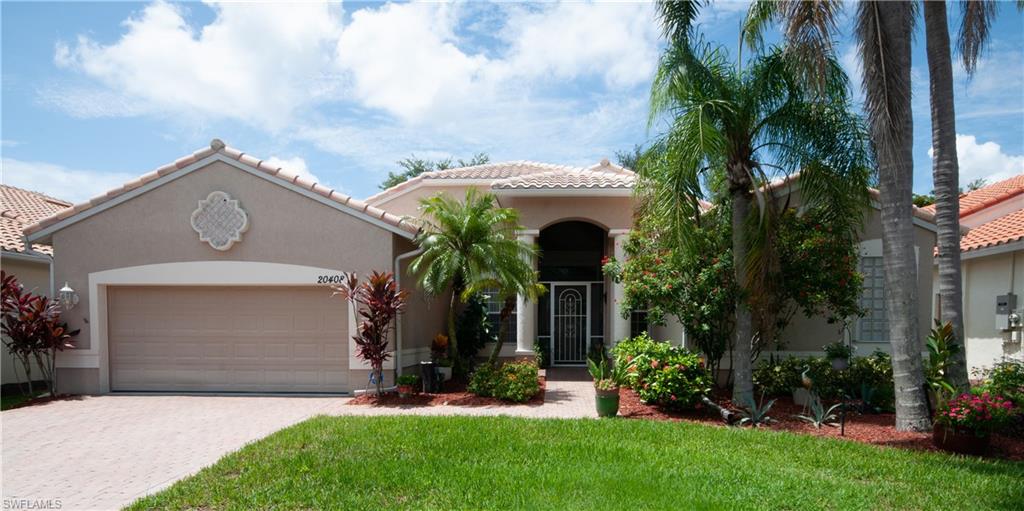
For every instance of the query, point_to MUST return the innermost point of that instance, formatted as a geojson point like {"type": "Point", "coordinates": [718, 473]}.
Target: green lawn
{"type": "Point", "coordinates": [466, 462]}
{"type": "Point", "coordinates": [12, 399]}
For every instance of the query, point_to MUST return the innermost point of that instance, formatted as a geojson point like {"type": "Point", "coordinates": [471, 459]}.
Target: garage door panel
{"type": "Point", "coordinates": [227, 339]}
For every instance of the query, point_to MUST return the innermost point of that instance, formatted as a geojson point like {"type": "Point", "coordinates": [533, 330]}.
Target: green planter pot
{"type": "Point", "coordinates": [607, 402]}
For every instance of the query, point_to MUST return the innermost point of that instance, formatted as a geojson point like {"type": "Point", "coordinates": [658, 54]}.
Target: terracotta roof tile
{"type": "Point", "coordinates": [1005, 229]}
{"type": "Point", "coordinates": [19, 208]}
{"type": "Point", "coordinates": [977, 200]}
{"type": "Point", "coordinates": [216, 146]}
{"type": "Point", "coordinates": [524, 175]}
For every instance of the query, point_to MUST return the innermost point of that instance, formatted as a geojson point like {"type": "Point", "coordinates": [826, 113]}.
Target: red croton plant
{"type": "Point", "coordinates": [32, 329]}
{"type": "Point", "coordinates": [378, 302]}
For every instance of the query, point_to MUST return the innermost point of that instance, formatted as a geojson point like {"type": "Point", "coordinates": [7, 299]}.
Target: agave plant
{"type": "Point", "coordinates": [819, 415]}
{"type": "Point", "coordinates": [756, 414]}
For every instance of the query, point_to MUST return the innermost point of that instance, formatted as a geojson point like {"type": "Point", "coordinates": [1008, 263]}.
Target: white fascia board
{"type": "Point", "coordinates": [45, 233]}
{"type": "Point", "coordinates": [565, 192]}
{"type": "Point", "coordinates": [993, 250]}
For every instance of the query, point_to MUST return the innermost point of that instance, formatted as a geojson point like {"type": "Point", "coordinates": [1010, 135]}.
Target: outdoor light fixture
{"type": "Point", "coordinates": [68, 297]}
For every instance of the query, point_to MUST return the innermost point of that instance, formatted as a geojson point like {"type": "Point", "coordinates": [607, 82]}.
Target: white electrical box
{"type": "Point", "coordinates": [1005, 305]}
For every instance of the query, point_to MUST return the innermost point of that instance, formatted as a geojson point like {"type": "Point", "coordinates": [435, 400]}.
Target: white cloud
{"type": "Point", "coordinates": [984, 160]}
{"type": "Point", "coordinates": [74, 185]}
{"type": "Point", "coordinates": [403, 58]}
{"type": "Point", "coordinates": [294, 165]}
{"type": "Point", "coordinates": [255, 64]}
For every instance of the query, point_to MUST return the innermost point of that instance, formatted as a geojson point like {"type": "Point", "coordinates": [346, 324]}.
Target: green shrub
{"type": "Point", "coordinates": [663, 374]}
{"type": "Point", "coordinates": [513, 381]}
{"type": "Point", "coordinates": [517, 381]}
{"type": "Point", "coordinates": [869, 378]}
{"type": "Point", "coordinates": [482, 381]}
{"type": "Point", "coordinates": [1006, 379]}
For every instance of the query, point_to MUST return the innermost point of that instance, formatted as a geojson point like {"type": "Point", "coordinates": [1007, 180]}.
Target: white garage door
{"type": "Point", "coordinates": [227, 339]}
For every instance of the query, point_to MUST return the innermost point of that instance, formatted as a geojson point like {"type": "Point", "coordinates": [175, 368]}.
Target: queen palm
{"type": "Point", "coordinates": [750, 123]}
{"type": "Point", "coordinates": [468, 245]}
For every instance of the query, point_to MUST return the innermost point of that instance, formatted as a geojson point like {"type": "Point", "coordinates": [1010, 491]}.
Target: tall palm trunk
{"type": "Point", "coordinates": [884, 32]}
{"type": "Point", "coordinates": [946, 176]}
{"type": "Point", "coordinates": [743, 378]}
{"type": "Point", "coordinates": [453, 342]}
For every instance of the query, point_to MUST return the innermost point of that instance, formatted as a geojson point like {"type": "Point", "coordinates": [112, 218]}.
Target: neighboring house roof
{"type": "Point", "coordinates": [280, 176]}
{"type": "Point", "coordinates": [20, 208]}
{"type": "Point", "coordinates": [1005, 229]}
{"type": "Point", "coordinates": [985, 197]}
{"type": "Point", "coordinates": [521, 175]}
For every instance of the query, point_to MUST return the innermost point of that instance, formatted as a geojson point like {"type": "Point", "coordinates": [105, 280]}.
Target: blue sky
{"type": "Point", "coordinates": [97, 93]}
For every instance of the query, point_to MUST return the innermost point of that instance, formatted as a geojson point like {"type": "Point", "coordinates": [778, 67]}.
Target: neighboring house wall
{"type": "Point", "coordinates": [35, 277]}
{"type": "Point", "coordinates": [984, 279]}
{"type": "Point", "coordinates": [285, 227]}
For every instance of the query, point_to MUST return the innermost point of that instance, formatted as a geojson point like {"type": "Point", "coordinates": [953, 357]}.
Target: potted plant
{"type": "Point", "coordinates": [408, 385]}
{"type": "Point", "coordinates": [965, 423]}
{"type": "Point", "coordinates": [607, 381]}
{"type": "Point", "coordinates": [439, 353]}
{"type": "Point", "coordinates": [839, 353]}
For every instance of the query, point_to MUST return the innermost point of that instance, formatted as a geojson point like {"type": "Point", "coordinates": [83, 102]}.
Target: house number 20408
{"type": "Point", "coordinates": [330, 279]}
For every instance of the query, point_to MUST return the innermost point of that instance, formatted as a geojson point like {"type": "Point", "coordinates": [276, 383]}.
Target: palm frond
{"type": "Point", "coordinates": [678, 17]}
{"type": "Point", "coordinates": [978, 16]}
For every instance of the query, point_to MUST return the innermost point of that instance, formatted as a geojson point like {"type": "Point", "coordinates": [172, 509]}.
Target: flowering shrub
{"type": "Point", "coordinates": [517, 381]}
{"type": "Point", "coordinates": [978, 414]}
{"type": "Point", "coordinates": [1006, 379]}
{"type": "Point", "coordinates": [868, 378]}
{"type": "Point", "coordinates": [514, 381]}
{"type": "Point", "coordinates": [663, 374]}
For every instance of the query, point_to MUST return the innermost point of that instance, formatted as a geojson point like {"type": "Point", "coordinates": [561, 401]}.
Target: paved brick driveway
{"type": "Point", "coordinates": [104, 452]}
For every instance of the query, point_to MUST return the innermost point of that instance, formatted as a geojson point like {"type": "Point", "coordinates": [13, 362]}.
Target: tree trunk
{"type": "Point", "coordinates": [453, 343]}
{"type": "Point", "coordinates": [743, 377]}
{"type": "Point", "coordinates": [885, 31]}
{"type": "Point", "coordinates": [946, 176]}
{"type": "Point", "coordinates": [506, 312]}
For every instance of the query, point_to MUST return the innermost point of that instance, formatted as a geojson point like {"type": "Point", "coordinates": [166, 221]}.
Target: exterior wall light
{"type": "Point", "coordinates": [68, 297]}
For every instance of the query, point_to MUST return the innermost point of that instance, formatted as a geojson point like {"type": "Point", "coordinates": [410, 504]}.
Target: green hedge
{"type": "Point", "coordinates": [868, 378]}
{"type": "Point", "coordinates": [513, 381]}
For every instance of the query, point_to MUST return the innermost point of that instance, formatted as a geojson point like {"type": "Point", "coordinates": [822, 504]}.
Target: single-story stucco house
{"type": "Point", "coordinates": [992, 268]}
{"type": "Point", "coordinates": [19, 209]}
{"type": "Point", "coordinates": [210, 273]}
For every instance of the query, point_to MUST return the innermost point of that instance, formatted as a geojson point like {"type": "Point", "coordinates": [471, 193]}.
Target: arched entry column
{"type": "Point", "coordinates": [620, 325]}
{"type": "Point", "coordinates": [526, 318]}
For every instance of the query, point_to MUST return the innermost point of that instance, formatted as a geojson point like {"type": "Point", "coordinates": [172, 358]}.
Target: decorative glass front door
{"type": "Point", "coordinates": [570, 323]}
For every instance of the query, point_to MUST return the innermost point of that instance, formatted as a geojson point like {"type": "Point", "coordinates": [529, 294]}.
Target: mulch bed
{"type": "Point", "coordinates": [874, 429]}
{"type": "Point", "coordinates": [453, 393]}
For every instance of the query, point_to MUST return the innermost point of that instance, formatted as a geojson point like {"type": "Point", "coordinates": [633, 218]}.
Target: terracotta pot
{"type": "Point", "coordinates": [607, 402]}
{"type": "Point", "coordinates": [959, 441]}
{"type": "Point", "coordinates": [406, 390]}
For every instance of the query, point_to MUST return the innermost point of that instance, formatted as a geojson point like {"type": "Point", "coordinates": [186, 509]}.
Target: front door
{"type": "Point", "coordinates": [569, 322]}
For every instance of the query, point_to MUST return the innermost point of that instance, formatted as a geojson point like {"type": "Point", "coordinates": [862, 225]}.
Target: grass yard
{"type": "Point", "coordinates": [500, 462]}
{"type": "Point", "coordinates": [10, 400]}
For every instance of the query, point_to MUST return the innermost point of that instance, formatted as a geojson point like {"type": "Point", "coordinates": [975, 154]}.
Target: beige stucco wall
{"type": "Point", "coordinates": [805, 334]}
{"type": "Point", "coordinates": [425, 316]}
{"type": "Point", "coordinates": [36, 279]}
{"type": "Point", "coordinates": [284, 227]}
{"type": "Point", "coordinates": [609, 212]}
{"type": "Point", "coordinates": [985, 278]}
{"type": "Point", "coordinates": [408, 204]}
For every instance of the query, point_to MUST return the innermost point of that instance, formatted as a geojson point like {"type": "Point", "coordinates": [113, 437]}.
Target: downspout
{"type": "Point", "coordinates": [398, 322]}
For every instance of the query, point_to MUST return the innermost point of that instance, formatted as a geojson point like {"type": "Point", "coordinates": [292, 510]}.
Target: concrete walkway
{"type": "Point", "coordinates": [104, 452]}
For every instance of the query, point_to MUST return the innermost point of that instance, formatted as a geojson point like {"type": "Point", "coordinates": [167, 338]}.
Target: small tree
{"type": "Point", "coordinates": [378, 302]}
{"type": "Point", "coordinates": [32, 330]}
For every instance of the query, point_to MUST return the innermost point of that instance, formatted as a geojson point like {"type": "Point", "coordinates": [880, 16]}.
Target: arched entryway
{"type": "Point", "coordinates": [570, 317]}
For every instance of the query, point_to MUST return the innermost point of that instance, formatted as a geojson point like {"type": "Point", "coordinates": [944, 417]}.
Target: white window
{"type": "Point", "coordinates": [873, 327]}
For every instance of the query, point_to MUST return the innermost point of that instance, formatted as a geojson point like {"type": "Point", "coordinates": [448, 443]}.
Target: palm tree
{"type": "Point", "coordinates": [884, 34]}
{"type": "Point", "coordinates": [749, 124]}
{"type": "Point", "coordinates": [468, 245]}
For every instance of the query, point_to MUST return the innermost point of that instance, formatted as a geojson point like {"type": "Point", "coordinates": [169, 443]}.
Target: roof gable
{"type": "Point", "coordinates": [218, 151]}
{"type": "Point", "coordinates": [20, 208]}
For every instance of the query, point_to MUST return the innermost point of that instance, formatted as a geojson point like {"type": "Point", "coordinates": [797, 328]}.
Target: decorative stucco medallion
{"type": "Point", "coordinates": [219, 220]}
